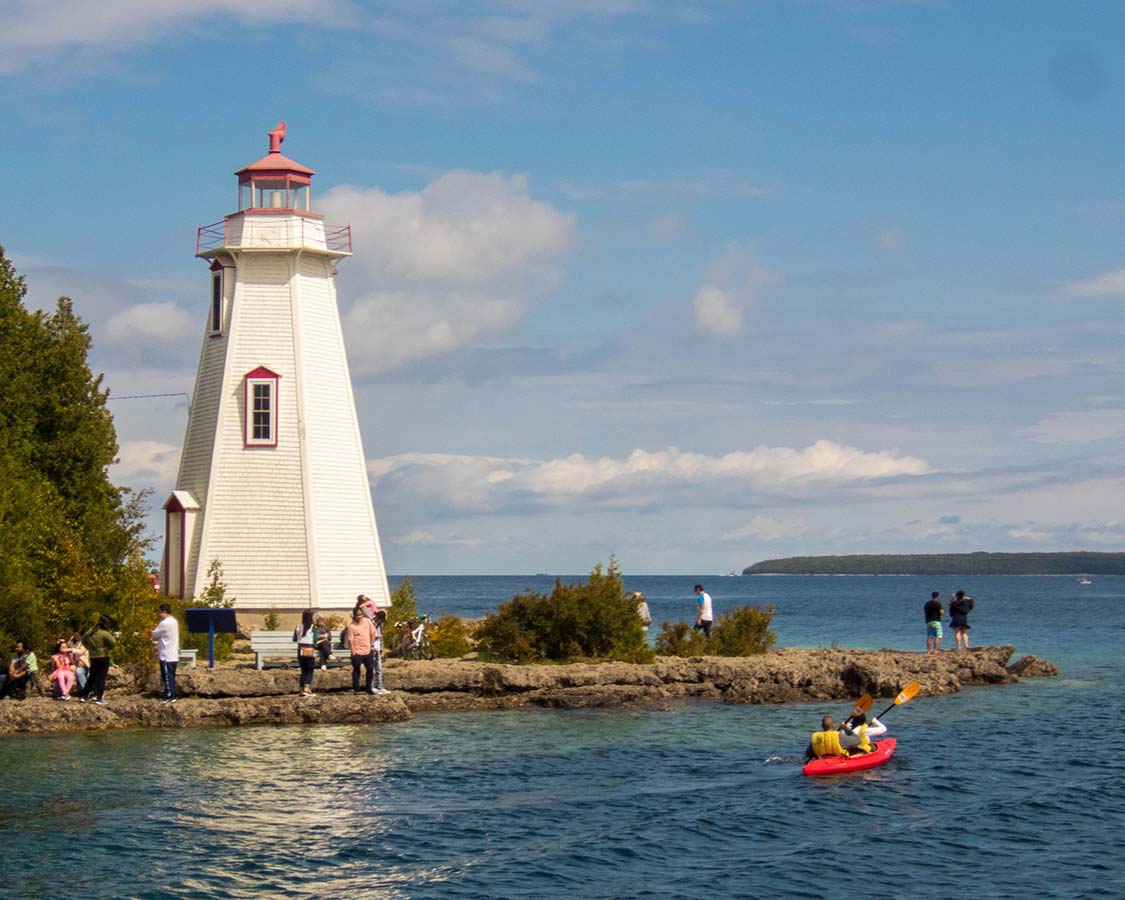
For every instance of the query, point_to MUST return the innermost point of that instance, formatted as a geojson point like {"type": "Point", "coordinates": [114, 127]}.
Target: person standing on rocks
{"type": "Point", "coordinates": [304, 635]}
{"type": "Point", "coordinates": [167, 635]}
{"type": "Point", "coordinates": [934, 611]}
{"type": "Point", "coordinates": [361, 643]}
{"type": "Point", "coordinates": [705, 614]}
{"type": "Point", "coordinates": [99, 642]}
{"type": "Point", "coordinates": [642, 609]}
{"type": "Point", "coordinates": [959, 610]}
{"type": "Point", "coordinates": [377, 653]}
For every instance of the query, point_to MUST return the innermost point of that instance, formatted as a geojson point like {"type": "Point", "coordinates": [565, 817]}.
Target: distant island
{"type": "Point", "coordinates": [1077, 563]}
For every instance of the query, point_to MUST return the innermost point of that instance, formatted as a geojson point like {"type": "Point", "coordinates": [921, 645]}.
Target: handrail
{"type": "Point", "coordinates": [299, 233]}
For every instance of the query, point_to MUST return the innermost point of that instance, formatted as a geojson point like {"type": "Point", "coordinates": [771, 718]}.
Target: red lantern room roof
{"type": "Point", "coordinates": [273, 164]}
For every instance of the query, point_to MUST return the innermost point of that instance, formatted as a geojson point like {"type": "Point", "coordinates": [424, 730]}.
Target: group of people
{"type": "Point", "coordinates": [704, 612]}
{"type": "Point", "coordinates": [851, 738]}
{"type": "Point", "coordinates": [78, 667]}
{"type": "Point", "coordinates": [362, 638]}
{"type": "Point", "coordinates": [959, 608]}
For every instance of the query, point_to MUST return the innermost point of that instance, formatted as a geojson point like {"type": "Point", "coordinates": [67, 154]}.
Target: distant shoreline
{"type": "Point", "coordinates": [1072, 564]}
{"type": "Point", "coordinates": [925, 574]}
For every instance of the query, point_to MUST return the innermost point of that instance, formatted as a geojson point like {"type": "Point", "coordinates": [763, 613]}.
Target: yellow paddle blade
{"type": "Point", "coordinates": [862, 705]}
{"type": "Point", "coordinates": [907, 692]}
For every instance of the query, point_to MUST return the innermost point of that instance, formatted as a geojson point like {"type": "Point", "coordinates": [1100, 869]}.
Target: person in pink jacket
{"type": "Point", "coordinates": [62, 669]}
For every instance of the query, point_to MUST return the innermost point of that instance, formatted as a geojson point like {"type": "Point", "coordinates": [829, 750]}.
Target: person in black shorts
{"type": "Point", "coordinates": [959, 609]}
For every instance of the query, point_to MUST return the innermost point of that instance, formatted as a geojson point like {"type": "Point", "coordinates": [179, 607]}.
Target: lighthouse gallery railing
{"type": "Point", "coordinates": [262, 233]}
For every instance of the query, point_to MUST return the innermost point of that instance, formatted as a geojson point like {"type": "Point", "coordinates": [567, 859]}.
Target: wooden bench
{"type": "Point", "coordinates": [280, 645]}
{"type": "Point", "coordinates": [188, 656]}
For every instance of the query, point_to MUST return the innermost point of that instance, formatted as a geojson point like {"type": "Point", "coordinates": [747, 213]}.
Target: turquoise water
{"type": "Point", "coordinates": [994, 792]}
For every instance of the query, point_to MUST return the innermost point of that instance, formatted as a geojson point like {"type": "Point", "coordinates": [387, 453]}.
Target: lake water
{"type": "Point", "coordinates": [994, 792]}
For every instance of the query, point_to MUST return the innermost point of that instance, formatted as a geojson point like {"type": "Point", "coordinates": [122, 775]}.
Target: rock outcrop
{"type": "Point", "coordinates": [244, 696]}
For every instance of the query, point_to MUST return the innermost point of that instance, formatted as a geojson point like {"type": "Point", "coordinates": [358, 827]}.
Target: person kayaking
{"type": "Point", "coordinates": [851, 738]}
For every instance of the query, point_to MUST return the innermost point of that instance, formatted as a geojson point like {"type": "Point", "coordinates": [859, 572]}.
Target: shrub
{"type": "Point", "coordinates": [678, 639]}
{"type": "Point", "coordinates": [450, 637]}
{"type": "Point", "coordinates": [591, 619]}
{"type": "Point", "coordinates": [272, 621]}
{"type": "Point", "coordinates": [744, 631]}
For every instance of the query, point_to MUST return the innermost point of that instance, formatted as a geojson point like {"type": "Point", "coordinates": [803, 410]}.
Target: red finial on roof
{"type": "Point", "coordinates": [276, 137]}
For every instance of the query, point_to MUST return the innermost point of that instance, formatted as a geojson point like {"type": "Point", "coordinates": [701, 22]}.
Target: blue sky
{"type": "Point", "coordinates": [693, 283]}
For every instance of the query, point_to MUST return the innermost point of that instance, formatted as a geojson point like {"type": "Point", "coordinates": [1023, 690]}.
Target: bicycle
{"type": "Point", "coordinates": [413, 642]}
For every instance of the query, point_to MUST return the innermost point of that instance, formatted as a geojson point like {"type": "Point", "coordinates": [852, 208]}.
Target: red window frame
{"type": "Point", "coordinates": [265, 377]}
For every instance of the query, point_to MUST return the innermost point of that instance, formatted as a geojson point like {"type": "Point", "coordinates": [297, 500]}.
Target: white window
{"type": "Point", "coordinates": [217, 301]}
{"type": "Point", "coordinates": [261, 409]}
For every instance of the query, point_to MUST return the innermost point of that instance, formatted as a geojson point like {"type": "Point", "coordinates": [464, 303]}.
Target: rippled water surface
{"type": "Point", "coordinates": [995, 792]}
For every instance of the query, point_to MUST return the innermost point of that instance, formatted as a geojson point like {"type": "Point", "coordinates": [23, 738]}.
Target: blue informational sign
{"type": "Point", "coordinates": [205, 620]}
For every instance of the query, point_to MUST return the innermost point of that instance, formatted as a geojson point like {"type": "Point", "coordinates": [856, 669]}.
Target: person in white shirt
{"type": "Point", "coordinates": [167, 636]}
{"type": "Point", "coordinates": [706, 614]}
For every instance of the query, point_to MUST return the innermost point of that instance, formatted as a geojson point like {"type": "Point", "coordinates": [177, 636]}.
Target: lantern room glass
{"type": "Point", "coordinates": [270, 195]}
{"type": "Point", "coordinates": [273, 193]}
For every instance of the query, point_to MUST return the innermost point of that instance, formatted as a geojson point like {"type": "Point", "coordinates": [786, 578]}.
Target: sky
{"type": "Point", "coordinates": [694, 283]}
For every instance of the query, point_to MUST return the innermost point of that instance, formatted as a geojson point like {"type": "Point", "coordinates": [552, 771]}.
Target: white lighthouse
{"type": "Point", "coordinates": [272, 479]}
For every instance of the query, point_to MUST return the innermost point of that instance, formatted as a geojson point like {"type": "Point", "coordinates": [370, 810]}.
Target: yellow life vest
{"type": "Point", "coordinates": [864, 743]}
{"type": "Point", "coordinates": [827, 743]}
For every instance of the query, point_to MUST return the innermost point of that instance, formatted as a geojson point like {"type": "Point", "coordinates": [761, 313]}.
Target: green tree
{"type": "Point", "coordinates": [404, 606]}
{"type": "Point", "coordinates": [67, 534]}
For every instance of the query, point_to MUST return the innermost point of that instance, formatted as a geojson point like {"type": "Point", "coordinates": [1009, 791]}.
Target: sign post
{"type": "Point", "coordinates": [211, 621]}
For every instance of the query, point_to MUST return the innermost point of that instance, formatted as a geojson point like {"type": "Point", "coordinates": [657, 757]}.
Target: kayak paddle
{"type": "Point", "coordinates": [907, 693]}
{"type": "Point", "coordinates": [862, 705]}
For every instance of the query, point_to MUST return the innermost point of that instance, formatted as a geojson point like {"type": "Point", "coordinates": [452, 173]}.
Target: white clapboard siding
{"type": "Point", "coordinates": [345, 542]}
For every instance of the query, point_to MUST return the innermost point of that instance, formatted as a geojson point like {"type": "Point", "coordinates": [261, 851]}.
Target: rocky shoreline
{"type": "Point", "coordinates": [239, 695]}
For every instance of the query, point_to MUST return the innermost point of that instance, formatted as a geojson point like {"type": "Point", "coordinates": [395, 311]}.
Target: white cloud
{"type": "Point", "coordinates": [767, 528]}
{"type": "Point", "coordinates": [1108, 284]}
{"type": "Point", "coordinates": [422, 537]}
{"type": "Point", "coordinates": [445, 265]}
{"type": "Point", "coordinates": [1080, 427]}
{"type": "Point", "coordinates": [729, 287]}
{"type": "Point", "coordinates": [34, 30]}
{"type": "Point", "coordinates": [471, 484]}
{"type": "Point", "coordinates": [146, 464]}
{"type": "Point", "coordinates": [159, 322]}
{"type": "Point", "coordinates": [716, 312]}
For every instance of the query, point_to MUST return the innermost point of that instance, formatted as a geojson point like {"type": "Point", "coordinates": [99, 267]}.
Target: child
{"type": "Point", "coordinates": [62, 669]}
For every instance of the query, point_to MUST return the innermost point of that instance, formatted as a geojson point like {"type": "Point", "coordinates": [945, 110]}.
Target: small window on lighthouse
{"type": "Point", "coordinates": [217, 301]}
{"type": "Point", "coordinates": [261, 409]}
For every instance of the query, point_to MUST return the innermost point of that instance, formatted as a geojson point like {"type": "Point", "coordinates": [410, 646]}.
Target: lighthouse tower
{"type": "Point", "coordinates": [272, 479]}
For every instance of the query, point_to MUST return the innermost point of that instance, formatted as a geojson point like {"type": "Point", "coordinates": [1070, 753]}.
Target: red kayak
{"type": "Point", "coordinates": [842, 765]}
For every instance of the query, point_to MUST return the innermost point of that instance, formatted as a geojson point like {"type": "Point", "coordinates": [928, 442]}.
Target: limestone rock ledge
{"type": "Point", "coordinates": [245, 696]}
